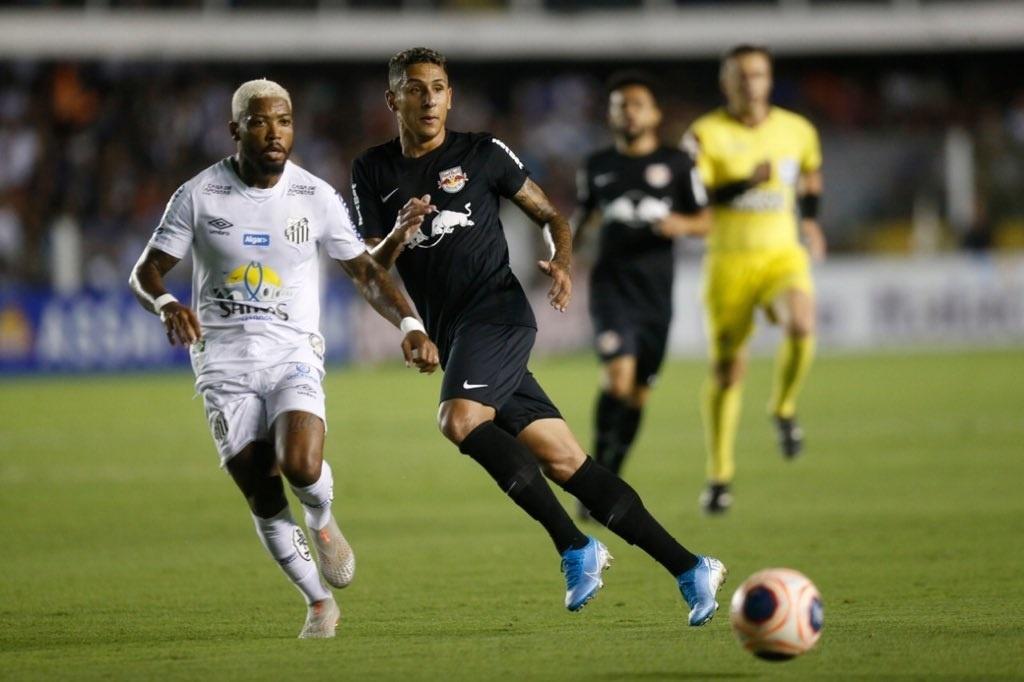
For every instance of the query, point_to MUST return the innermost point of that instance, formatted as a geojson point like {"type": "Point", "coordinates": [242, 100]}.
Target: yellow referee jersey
{"type": "Point", "coordinates": [764, 217]}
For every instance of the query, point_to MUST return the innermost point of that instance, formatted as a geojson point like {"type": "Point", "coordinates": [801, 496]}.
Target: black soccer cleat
{"type": "Point", "coordinates": [716, 499]}
{"type": "Point", "coordinates": [791, 436]}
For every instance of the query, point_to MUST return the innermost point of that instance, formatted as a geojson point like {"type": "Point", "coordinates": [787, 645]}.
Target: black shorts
{"type": "Point", "coordinates": [615, 336]}
{"type": "Point", "coordinates": [487, 363]}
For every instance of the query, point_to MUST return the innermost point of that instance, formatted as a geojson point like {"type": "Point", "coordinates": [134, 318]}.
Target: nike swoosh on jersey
{"type": "Point", "coordinates": [384, 197]}
{"type": "Point", "coordinates": [468, 386]}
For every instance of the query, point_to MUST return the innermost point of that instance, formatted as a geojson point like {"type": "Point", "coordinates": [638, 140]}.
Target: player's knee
{"type": "Point", "coordinates": [301, 466]}
{"type": "Point", "coordinates": [800, 326]}
{"type": "Point", "coordinates": [728, 373]}
{"type": "Point", "coordinates": [638, 397]}
{"type": "Point", "coordinates": [559, 464]}
{"type": "Point", "coordinates": [619, 380]}
{"type": "Point", "coordinates": [621, 389]}
{"type": "Point", "coordinates": [457, 423]}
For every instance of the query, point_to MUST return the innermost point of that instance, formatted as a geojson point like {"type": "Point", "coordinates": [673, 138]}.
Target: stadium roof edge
{"type": "Point", "coordinates": [656, 33]}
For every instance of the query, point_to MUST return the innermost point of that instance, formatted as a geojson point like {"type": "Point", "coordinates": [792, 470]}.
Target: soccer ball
{"type": "Point", "coordinates": [776, 614]}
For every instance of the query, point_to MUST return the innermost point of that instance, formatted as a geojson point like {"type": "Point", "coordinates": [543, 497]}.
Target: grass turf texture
{"type": "Point", "coordinates": [128, 554]}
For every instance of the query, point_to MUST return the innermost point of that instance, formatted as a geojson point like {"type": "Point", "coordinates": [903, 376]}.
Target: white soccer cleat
{"type": "Point", "coordinates": [322, 620]}
{"type": "Point", "coordinates": [337, 560]}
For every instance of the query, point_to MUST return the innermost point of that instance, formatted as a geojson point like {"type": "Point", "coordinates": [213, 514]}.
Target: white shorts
{"type": "Point", "coordinates": [242, 409]}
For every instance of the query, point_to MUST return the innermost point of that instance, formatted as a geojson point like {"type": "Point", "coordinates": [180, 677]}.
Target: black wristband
{"type": "Point", "coordinates": [724, 194]}
{"type": "Point", "coordinates": [809, 204]}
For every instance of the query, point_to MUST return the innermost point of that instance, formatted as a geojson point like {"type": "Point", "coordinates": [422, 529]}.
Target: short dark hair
{"type": "Point", "coordinates": [743, 49]}
{"type": "Point", "coordinates": [414, 55]}
{"type": "Point", "coordinates": [623, 79]}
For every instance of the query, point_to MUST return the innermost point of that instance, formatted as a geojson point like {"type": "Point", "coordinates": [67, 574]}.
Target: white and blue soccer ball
{"type": "Point", "coordinates": [776, 614]}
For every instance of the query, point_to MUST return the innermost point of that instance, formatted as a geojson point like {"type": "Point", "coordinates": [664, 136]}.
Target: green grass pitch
{"type": "Point", "coordinates": [127, 554]}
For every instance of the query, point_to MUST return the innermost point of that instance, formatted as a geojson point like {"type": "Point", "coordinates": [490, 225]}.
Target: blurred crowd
{"type": "Point", "coordinates": [101, 146]}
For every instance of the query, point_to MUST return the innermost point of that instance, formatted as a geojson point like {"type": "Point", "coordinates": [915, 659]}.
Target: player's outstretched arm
{"type": "Point", "coordinates": [685, 225]}
{"type": "Point", "coordinates": [147, 283]}
{"type": "Point", "coordinates": [379, 290]}
{"type": "Point", "coordinates": [534, 203]}
{"type": "Point", "coordinates": [724, 194]}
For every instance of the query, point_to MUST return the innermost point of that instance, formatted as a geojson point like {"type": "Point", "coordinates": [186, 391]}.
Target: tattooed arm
{"type": "Point", "coordinates": [534, 203]}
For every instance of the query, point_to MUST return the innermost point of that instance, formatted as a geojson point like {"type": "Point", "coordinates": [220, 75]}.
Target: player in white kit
{"type": "Point", "coordinates": [255, 224]}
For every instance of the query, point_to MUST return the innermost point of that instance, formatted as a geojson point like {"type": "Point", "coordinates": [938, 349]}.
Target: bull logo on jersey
{"type": "Point", "coordinates": [637, 209]}
{"type": "Point", "coordinates": [444, 223]}
{"type": "Point", "coordinates": [253, 289]}
{"type": "Point", "coordinates": [453, 179]}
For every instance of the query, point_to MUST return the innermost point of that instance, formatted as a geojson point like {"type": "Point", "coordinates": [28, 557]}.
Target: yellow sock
{"type": "Point", "coordinates": [720, 409]}
{"type": "Point", "coordinates": [791, 364]}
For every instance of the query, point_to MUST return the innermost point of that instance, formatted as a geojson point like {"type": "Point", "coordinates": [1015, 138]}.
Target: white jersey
{"type": "Point", "coordinates": [255, 282]}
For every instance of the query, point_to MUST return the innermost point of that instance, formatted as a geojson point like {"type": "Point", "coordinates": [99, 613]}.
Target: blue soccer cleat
{"type": "Point", "coordinates": [582, 568]}
{"type": "Point", "coordinates": [699, 586]}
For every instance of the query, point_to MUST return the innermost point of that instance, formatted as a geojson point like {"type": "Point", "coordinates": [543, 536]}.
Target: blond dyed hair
{"type": "Point", "coordinates": [255, 89]}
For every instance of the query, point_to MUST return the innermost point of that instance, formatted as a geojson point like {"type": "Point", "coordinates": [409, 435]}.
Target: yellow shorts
{"type": "Point", "coordinates": [735, 284]}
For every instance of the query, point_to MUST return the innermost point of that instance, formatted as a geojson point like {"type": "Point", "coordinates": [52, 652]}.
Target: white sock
{"type": "Point", "coordinates": [287, 545]}
{"type": "Point", "coordinates": [316, 499]}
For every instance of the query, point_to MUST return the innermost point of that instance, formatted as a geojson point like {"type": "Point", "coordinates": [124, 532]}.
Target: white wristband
{"type": "Point", "coordinates": [163, 299]}
{"type": "Point", "coordinates": [411, 324]}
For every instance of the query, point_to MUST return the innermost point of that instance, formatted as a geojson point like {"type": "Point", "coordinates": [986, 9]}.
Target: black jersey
{"type": "Point", "coordinates": [634, 266]}
{"type": "Point", "coordinates": [456, 268]}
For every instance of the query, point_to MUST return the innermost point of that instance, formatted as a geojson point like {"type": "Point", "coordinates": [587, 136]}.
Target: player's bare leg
{"type": "Point", "coordinates": [255, 471]}
{"type": "Point", "coordinates": [720, 412]}
{"type": "Point", "coordinates": [299, 444]}
{"type": "Point", "coordinates": [619, 508]}
{"type": "Point", "coordinates": [795, 311]}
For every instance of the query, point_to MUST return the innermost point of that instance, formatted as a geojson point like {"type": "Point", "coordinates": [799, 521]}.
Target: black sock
{"type": "Point", "coordinates": [629, 424]}
{"type": "Point", "coordinates": [516, 472]}
{"type": "Point", "coordinates": [607, 417]}
{"type": "Point", "coordinates": [615, 504]}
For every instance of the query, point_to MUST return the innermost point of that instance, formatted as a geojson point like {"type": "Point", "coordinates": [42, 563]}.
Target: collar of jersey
{"type": "Point", "coordinates": [257, 193]}
{"type": "Point", "coordinates": [449, 136]}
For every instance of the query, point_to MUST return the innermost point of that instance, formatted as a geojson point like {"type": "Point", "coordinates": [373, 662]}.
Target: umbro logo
{"type": "Point", "coordinates": [219, 224]}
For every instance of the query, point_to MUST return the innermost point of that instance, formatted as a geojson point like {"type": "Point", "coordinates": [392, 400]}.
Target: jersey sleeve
{"type": "Point", "coordinates": [506, 172]}
{"type": "Point", "coordinates": [174, 234]}
{"type": "Point", "coordinates": [340, 238]}
{"type": "Point", "coordinates": [691, 195]}
{"type": "Point", "coordinates": [694, 145]}
{"type": "Point", "coordinates": [810, 161]}
{"type": "Point", "coordinates": [368, 211]}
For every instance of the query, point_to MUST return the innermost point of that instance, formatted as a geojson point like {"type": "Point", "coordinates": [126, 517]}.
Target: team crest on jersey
{"type": "Point", "coordinates": [297, 231]}
{"type": "Point", "coordinates": [453, 179]}
{"type": "Point", "coordinates": [658, 175]}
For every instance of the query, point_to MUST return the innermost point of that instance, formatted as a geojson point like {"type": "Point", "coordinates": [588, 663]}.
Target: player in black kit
{"type": "Point", "coordinates": [428, 202]}
{"type": "Point", "coordinates": [642, 194]}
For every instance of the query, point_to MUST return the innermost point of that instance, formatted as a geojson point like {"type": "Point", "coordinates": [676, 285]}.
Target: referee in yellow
{"type": "Point", "coordinates": [762, 166]}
